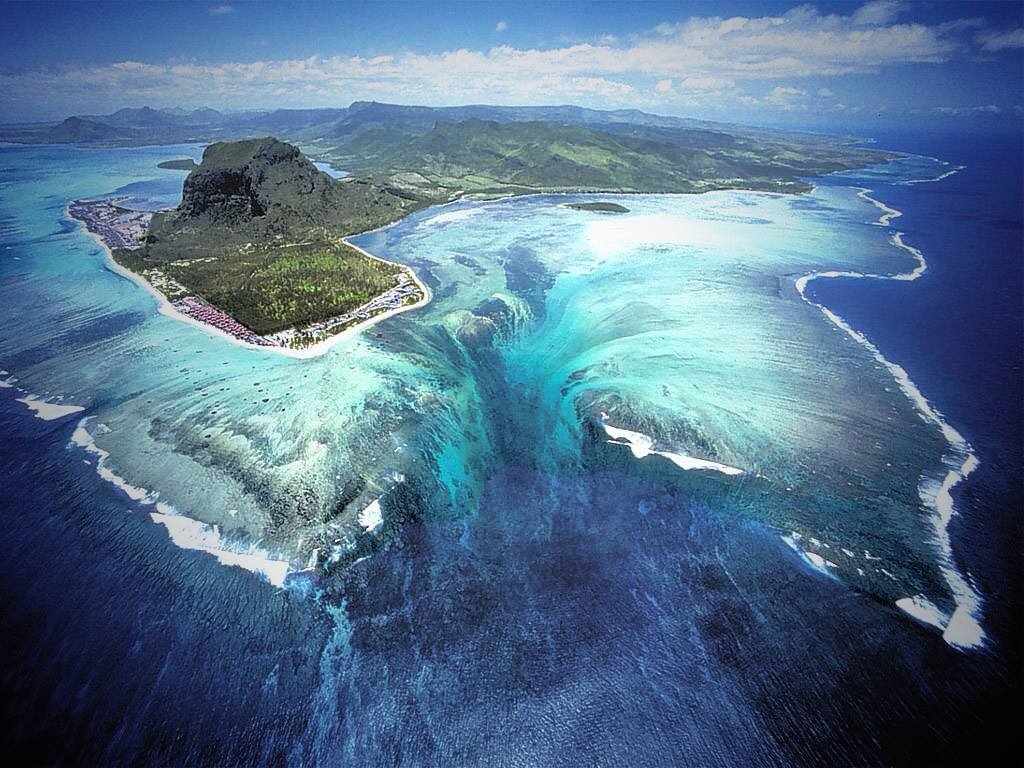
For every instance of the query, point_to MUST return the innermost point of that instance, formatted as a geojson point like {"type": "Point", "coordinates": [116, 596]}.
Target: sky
{"type": "Point", "coordinates": [822, 65]}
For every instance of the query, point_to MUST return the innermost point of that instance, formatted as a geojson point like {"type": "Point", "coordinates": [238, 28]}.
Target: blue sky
{"type": "Point", "coordinates": [820, 65]}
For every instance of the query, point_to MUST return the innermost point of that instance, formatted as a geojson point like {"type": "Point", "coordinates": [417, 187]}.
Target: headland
{"type": "Point", "coordinates": [257, 250]}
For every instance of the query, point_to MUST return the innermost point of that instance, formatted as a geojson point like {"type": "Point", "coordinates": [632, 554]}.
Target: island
{"type": "Point", "coordinates": [258, 247]}
{"type": "Point", "coordinates": [185, 164]}
{"type": "Point", "coordinates": [437, 154]}
{"type": "Point", "coordinates": [599, 207]}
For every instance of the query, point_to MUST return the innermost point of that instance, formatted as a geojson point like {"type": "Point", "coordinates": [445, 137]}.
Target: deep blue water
{"type": "Point", "coordinates": [606, 618]}
{"type": "Point", "coordinates": [960, 331]}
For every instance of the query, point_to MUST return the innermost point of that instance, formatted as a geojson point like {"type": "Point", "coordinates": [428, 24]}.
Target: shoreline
{"type": "Point", "coordinates": [961, 629]}
{"type": "Point", "coordinates": [165, 306]}
{"type": "Point", "coordinates": [321, 347]}
{"type": "Point", "coordinates": [185, 532]}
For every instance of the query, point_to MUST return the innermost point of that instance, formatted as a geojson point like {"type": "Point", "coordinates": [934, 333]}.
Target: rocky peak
{"type": "Point", "coordinates": [241, 180]}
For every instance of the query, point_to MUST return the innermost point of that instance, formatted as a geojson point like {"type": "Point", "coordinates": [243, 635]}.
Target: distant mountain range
{"type": "Point", "coordinates": [149, 125]}
{"type": "Point", "coordinates": [439, 153]}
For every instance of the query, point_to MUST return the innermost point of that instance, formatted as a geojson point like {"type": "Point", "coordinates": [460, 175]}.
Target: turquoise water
{"type": "Point", "coordinates": [525, 436]}
{"type": "Point", "coordinates": [678, 320]}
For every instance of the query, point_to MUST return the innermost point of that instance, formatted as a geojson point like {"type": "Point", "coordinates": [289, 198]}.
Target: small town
{"type": "Point", "coordinates": [118, 227]}
{"type": "Point", "coordinates": [199, 310]}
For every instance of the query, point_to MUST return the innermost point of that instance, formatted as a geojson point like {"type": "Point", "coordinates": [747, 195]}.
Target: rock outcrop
{"type": "Point", "coordinates": [261, 190]}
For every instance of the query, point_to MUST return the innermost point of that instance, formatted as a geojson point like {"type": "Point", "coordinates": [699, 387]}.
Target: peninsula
{"type": "Point", "coordinates": [256, 248]}
{"type": "Point", "coordinates": [185, 164]}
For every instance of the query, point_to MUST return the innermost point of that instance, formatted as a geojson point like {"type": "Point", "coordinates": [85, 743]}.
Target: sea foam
{"type": "Point", "coordinates": [813, 559]}
{"type": "Point", "coordinates": [49, 411]}
{"type": "Point", "coordinates": [371, 517]}
{"type": "Point", "coordinates": [641, 445]}
{"type": "Point", "coordinates": [40, 408]}
{"type": "Point", "coordinates": [195, 535]}
{"type": "Point", "coordinates": [963, 628]}
{"type": "Point", "coordinates": [186, 532]}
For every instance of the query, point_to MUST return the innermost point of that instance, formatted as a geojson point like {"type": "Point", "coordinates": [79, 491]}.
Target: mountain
{"type": "Point", "coordinates": [331, 127]}
{"type": "Point", "coordinates": [76, 129]}
{"type": "Point", "coordinates": [286, 121]}
{"type": "Point", "coordinates": [145, 117]}
{"type": "Point", "coordinates": [438, 153]}
{"type": "Point", "coordinates": [491, 157]}
{"type": "Point", "coordinates": [205, 115]}
{"type": "Point", "coordinates": [265, 188]}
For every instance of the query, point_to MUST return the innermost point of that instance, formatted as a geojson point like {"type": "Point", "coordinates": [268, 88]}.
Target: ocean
{"type": "Point", "coordinates": [641, 500]}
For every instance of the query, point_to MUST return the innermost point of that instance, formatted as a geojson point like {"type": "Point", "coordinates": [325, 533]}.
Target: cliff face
{"type": "Point", "coordinates": [261, 190]}
{"type": "Point", "coordinates": [241, 181]}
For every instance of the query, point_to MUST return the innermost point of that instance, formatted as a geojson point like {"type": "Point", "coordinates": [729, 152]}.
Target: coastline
{"type": "Point", "coordinates": [962, 629]}
{"type": "Point", "coordinates": [184, 531]}
{"type": "Point", "coordinates": [166, 308]}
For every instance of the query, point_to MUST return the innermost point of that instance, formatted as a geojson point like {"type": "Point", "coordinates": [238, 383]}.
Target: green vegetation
{"type": "Point", "coordinates": [492, 158]}
{"type": "Point", "coordinates": [434, 154]}
{"type": "Point", "coordinates": [308, 339]}
{"type": "Point", "coordinates": [187, 164]}
{"type": "Point", "coordinates": [257, 235]}
{"type": "Point", "coordinates": [303, 285]}
{"type": "Point", "coordinates": [275, 288]}
{"type": "Point", "coordinates": [599, 207]}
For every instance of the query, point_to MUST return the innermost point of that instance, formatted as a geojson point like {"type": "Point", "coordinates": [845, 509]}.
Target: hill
{"type": "Point", "coordinates": [76, 129]}
{"type": "Point", "coordinates": [491, 157]}
{"type": "Point", "coordinates": [263, 189]}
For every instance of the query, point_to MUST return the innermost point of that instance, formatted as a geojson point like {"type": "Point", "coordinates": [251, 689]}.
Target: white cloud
{"type": "Point", "coordinates": [701, 59]}
{"type": "Point", "coordinates": [784, 96]}
{"type": "Point", "coordinates": [999, 41]}
{"type": "Point", "coordinates": [878, 12]}
{"type": "Point", "coordinates": [221, 10]}
{"type": "Point", "coordinates": [987, 109]}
